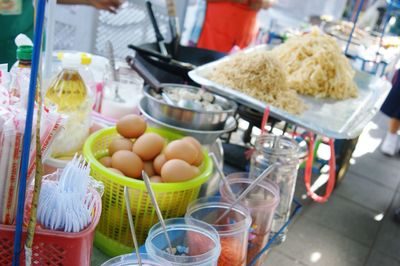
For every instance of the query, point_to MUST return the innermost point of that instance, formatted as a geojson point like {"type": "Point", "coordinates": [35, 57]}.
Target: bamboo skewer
{"type": "Point", "coordinates": [38, 182]}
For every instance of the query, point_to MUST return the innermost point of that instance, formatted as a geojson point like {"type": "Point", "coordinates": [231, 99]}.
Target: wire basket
{"type": "Point", "coordinates": [53, 248]}
{"type": "Point", "coordinates": [113, 236]}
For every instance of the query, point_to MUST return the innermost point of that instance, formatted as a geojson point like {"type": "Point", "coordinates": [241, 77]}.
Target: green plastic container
{"type": "Point", "coordinates": [113, 236]}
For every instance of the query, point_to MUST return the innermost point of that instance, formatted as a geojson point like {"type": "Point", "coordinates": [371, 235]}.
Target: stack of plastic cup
{"type": "Point", "coordinates": [131, 260]}
{"type": "Point", "coordinates": [193, 243]}
{"type": "Point", "coordinates": [233, 229]}
{"type": "Point", "coordinates": [261, 202]}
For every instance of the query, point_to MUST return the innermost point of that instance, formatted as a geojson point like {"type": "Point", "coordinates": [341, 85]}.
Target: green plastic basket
{"type": "Point", "coordinates": [112, 234]}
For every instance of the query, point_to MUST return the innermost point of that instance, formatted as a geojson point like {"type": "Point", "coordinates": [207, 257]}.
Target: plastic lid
{"type": "Point", "coordinates": [81, 58]}
{"type": "Point", "coordinates": [22, 39]}
{"type": "Point", "coordinates": [60, 56]}
{"type": "Point", "coordinates": [24, 52]}
{"type": "Point", "coordinates": [70, 61]}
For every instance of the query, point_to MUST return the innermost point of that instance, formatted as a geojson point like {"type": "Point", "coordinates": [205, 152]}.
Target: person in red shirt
{"type": "Point", "coordinates": [230, 23]}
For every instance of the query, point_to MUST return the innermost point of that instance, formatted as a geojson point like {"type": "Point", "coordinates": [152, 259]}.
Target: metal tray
{"type": "Point", "coordinates": [343, 119]}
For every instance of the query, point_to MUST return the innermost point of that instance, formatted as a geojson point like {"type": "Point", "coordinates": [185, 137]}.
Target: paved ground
{"type": "Point", "coordinates": [355, 227]}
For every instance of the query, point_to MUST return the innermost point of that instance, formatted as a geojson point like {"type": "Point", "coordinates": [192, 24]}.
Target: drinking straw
{"type": "Point", "coordinates": [37, 41]}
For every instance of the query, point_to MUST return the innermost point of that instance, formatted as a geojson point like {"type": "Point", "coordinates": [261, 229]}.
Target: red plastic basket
{"type": "Point", "coordinates": [53, 247]}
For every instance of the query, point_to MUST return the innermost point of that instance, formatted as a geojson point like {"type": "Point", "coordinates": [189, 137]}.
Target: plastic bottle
{"type": "Point", "coordinates": [85, 71]}
{"type": "Point", "coordinates": [68, 95]}
{"type": "Point", "coordinates": [68, 91]}
{"type": "Point", "coordinates": [21, 71]}
{"type": "Point", "coordinates": [4, 75]}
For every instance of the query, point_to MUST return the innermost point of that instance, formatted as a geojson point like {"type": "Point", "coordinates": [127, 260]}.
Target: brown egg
{"type": "Point", "coordinates": [200, 156]}
{"type": "Point", "coordinates": [158, 162]}
{"type": "Point", "coordinates": [115, 171]}
{"type": "Point", "coordinates": [131, 126]}
{"type": "Point", "coordinates": [178, 171]}
{"type": "Point", "coordinates": [148, 146]}
{"type": "Point", "coordinates": [180, 149]}
{"type": "Point", "coordinates": [106, 161]}
{"type": "Point", "coordinates": [199, 159]}
{"type": "Point", "coordinates": [128, 163]}
{"type": "Point", "coordinates": [156, 179]}
{"type": "Point", "coordinates": [194, 141]}
{"type": "Point", "coordinates": [148, 168]}
{"type": "Point", "coordinates": [119, 144]}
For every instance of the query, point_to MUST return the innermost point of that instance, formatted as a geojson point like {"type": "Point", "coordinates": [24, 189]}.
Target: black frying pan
{"type": "Point", "coordinates": [179, 65]}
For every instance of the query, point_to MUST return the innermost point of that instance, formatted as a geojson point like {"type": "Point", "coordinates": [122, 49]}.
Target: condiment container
{"type": "Point", "coordinates": [131, 260]}
{"type": "Point", "coordinates": [196, 243]}
{"type": "Point", "coordinates": [261, 202]}
{"type": "Point", "coordinates": [233, 229]}
{"type": "Point", "coordinates": [272, 149]}
{"type": "Point", "coordinates": [130, 87]}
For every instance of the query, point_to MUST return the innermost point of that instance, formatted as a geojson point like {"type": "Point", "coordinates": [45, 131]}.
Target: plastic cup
{"type": "Point", "coordinates": [233, 229]}
{"type": "Point", "coordinates": [193, 242]}
{"type": "Point", "coordinates": [131, 260]}
{"type": "Point", "coordinates": [261, 202]}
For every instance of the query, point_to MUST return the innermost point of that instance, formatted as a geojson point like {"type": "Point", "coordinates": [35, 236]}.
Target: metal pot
{"type": "Point", "coordinates": [172, 113]}
{"type": "Point", "coordinates": [185, 117]}
{"type": "Point", "coordinates": [205, 137]}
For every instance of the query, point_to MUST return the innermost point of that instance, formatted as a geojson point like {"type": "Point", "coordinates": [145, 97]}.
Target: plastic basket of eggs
{"type": "Point", "coordinates": [177, 167]}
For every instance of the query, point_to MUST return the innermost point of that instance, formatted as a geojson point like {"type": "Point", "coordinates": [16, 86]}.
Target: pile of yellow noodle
{"type": "Point", "coordinates": [260, 75]}
{"type": "Point", "coordinates": [316, 66]}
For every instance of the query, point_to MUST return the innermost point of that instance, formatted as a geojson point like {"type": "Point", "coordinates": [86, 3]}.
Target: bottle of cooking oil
{"type": "Point", "coordinates": [68, 95]}
{"type": "Point", "coordinates": [68, 91]}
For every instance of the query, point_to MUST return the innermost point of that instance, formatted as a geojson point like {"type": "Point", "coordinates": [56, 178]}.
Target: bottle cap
{"type": "Point", "coordinates": [60, 56]}
{"type": "Point", "coordinates": [24, 52]}
{"type": "Point", "coordinates": [70, 61]}
{"type": "Point", "coordinates": [86, 59]}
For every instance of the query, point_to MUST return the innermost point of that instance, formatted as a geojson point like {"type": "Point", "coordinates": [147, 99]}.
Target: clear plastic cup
{"type": "Point", "coordinates": [233, 229]}
{"type": "Point", "coordinates": [131, 260]}
{"type": "Point", "coordinates": [193, 242]}
{"type": "Point", "coordinates": [261, 202]}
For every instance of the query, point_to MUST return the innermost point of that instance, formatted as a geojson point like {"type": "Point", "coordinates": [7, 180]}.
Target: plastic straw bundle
{"type": "Point", "coordinates": [12, 126]}
{"type": "Point", "coordinates": [11, 132]}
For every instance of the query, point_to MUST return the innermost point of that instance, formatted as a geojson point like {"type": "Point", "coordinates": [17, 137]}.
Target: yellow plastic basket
{"type": "Point", "coordinates": [112, 234]}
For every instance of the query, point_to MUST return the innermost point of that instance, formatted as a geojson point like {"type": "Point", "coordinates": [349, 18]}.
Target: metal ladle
{"type": "Point", "coordinates": [146, 180]}
{"type": "Point", "coordinates": [256, 181]}
{"type": "Point", "coordinates": [222, 175]}
{"type": "Point", "coordinates": [131, 225]}
{"type": "Point", "coordinates": [111, 58]}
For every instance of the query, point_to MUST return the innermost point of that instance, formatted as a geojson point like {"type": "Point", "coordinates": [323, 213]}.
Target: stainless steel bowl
{"type": "Point", "coordinates": [205, 137]}
{"type": "Point", "coordinates": [189, 118]}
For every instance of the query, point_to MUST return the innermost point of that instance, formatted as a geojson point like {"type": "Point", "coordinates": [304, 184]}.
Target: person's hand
{"type": "Point", "coordinates": [8, 5]}
{"type": "Point", "coordinates": [260, 4]}
{"type": "Point", "coordinates": [109, 5]}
